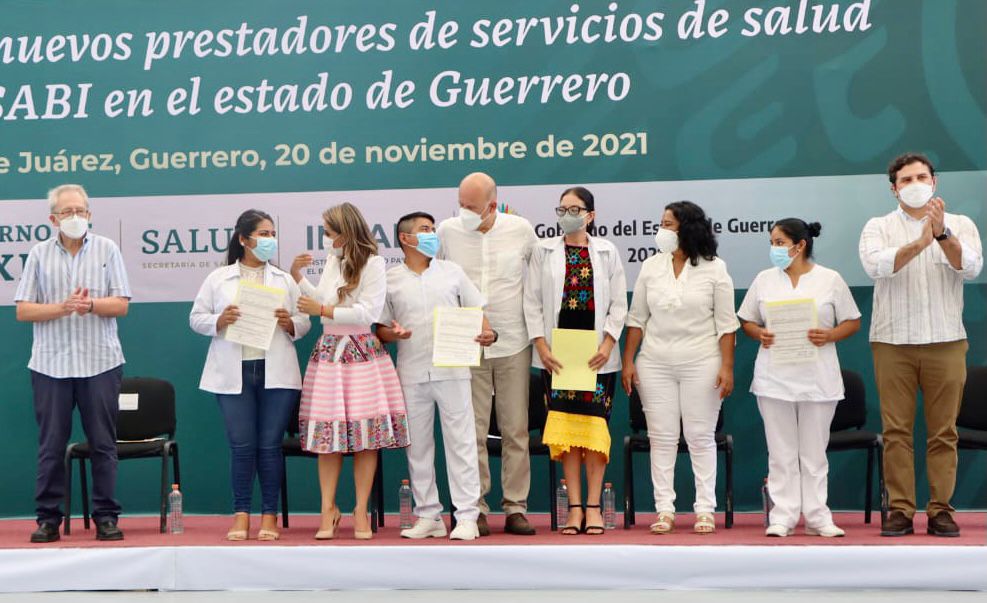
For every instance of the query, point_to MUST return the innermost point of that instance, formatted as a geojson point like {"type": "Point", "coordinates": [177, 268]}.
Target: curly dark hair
{"type": "Point", "coordinates": [907, 159]}
{"type": "Point", "coordinates": [696, 238]}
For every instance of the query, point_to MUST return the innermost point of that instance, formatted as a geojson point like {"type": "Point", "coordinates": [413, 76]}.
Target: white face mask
{"type": "Point", "coordinates": [915, 195]}
{"type": "Point", "coordinates": [667, 240]}
{"type": "Point", "coordinates": [74, 227]}
{"type": "Point", "coordinates": [328, 242]}
{"type": "Point", "coordinates": [470, 219]}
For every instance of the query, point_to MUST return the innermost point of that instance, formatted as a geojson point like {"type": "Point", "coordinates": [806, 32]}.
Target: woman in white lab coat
{"type": "Point", "coordinates": [798, 399]}
{"type": "Point", "coordinates": [576, 281]}
{"type": "Point", "coordinates": [257, 389]}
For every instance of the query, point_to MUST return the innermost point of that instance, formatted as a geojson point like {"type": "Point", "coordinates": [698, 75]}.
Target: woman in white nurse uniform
{"type": "Point", "coordinates": [797, 397]}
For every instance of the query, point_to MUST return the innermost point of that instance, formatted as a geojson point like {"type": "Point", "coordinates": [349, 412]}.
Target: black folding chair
{"type": "Point", "coordinates": [972, 422]}
{"type": "Point", "coordinates": [537, 414]}
{"type": "Point", "coordinates": [147, 432]}
{"type": "Point", "coordinates": [291, 446]}
{"type": "Point", "coordinates": [638, 441]}
{"type": "Point", "coordinates": [847, 433]}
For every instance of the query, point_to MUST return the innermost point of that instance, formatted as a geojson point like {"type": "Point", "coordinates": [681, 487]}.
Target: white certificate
{"type": "Point", "coordinates": [257, 322]}
{"type": "Point", "coordinates": [454, 336]}
{"type": "Point", "coordinates": [790, 321]}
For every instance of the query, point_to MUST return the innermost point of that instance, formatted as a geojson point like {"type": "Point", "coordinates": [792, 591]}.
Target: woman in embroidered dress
{"type": "Point", "coordinates": [351, 397]}
{"type": "Point", "coordinates": [576, 281]}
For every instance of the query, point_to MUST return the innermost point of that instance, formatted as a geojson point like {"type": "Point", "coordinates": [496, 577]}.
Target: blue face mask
{"type": "Point", "coordinates": [780, 257]}
{"type": "Point", "coordinates": [428, 243]}
{"type": "Point", "coordinates": [266, 249]}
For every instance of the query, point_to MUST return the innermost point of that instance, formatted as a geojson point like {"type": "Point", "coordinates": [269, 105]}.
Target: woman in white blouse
{"type": "Point", "coordinates": [798, 399]}
{"type": "Point", "coordinates": [576, 281]}
{"type": "Point", "coordinates": [257, 389]}
{"type": "Point", "coordinates": [351, 397]}
{"type": "Point", "coordinates": [682, 317]}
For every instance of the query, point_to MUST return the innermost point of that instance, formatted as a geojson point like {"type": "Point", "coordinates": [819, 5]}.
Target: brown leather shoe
{"type": "Point", "coordinates": [943, 525]}
{"type": "Point", "coordinates": [482, 526]}
{"type": "Point", "coordinates": [897, 524]}
{"type": "Point", "coordinates": [517, 524]}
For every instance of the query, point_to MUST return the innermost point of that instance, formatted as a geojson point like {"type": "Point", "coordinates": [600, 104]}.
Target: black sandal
{"type": "Point", "coordinates": [593, 530]}
{"type": "Point", "coordinates": [574, 530]}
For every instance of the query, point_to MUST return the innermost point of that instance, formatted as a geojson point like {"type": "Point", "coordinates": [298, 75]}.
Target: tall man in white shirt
{"type": "Point", "coordinates": [919, 256]}
{"type": "Point", "coordinates": [73, 288]}
{"type": "Point", "coordinates": [493, 248]}
{"type": "Point", "coordinates": [415, 288]}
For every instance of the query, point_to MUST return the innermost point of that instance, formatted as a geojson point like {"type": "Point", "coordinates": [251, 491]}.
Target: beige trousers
{"type": "Point", "coordinates": [504, 382]}
{"type": "Point", "coordinates": [939, 369]}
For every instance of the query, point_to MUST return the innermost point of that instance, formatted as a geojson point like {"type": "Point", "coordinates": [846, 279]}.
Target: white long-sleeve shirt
{"type": "Point", "coordinates": [923, 302]}
{"type": "Point", "coordinates": [363, 305]}
{"type": "Point", "coordinates": [495, 261]}
{"type": "Point", "coordinates": [411, 300]}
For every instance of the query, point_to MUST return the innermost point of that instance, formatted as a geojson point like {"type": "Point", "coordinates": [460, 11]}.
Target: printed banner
{"type": "Point", "coordinates": [170, 244]}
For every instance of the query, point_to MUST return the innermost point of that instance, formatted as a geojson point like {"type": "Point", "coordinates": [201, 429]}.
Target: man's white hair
{"type": "Point", "coordinates": [54, 193]}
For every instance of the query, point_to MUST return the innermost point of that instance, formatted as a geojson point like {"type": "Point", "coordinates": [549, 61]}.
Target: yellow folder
{"type": "Point", "coordinates": [573, 348]}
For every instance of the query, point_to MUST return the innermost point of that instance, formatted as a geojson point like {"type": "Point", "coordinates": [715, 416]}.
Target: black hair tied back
{"type": "Point", "coordinates": [246, 224]}
{"type": "Point", "coordinates": [799, 230]}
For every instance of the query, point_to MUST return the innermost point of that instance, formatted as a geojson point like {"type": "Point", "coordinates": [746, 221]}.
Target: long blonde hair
{"type": "Point", "coordinates": [358, 243]}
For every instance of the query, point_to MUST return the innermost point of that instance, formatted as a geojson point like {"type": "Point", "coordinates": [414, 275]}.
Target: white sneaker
{"type": "Point", "coordinates": [425, 528]}
{"type": "Point", "coordinates": [777, 530]}
{"type": "Point", "coordinates": [465, 530]}
{"type": "Point", "coordinates": [830, 531]}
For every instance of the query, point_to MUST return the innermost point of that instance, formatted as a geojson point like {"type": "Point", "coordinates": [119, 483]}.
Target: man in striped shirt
{"type": "Point", "coordinates": [73, 287]}
{"type": "Point", "coordinates": [919, 256]}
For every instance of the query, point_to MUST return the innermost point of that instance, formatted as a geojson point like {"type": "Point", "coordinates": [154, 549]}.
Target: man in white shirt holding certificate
{"type": "Point", "coordinates": [493, 249]}
{"type": "Point", "coordinates": [416, 289]}
{"type": "Point", "coordinates": [919, 256]}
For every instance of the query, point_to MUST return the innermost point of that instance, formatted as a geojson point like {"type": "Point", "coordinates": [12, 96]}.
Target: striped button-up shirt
{"type": "Point", "coordinates": [75, 345]}
{"type": "Point", "coordinates": [923, 302]}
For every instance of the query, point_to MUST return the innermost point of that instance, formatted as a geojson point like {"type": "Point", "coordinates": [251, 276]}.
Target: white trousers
{"type": "Point", "coordinates": [681, 398]}
{"type": "Point", "coordinates": [459, 439]}
{"type": "Point", "coordinates": [797, 435]}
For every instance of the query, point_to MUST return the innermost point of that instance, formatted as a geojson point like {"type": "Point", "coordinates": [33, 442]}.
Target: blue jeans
{"type": "Point", "coordinates": [256, 420]}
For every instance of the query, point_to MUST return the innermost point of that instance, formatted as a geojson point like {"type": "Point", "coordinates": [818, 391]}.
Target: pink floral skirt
{"type": "Point", "coordinates": [351, 396]}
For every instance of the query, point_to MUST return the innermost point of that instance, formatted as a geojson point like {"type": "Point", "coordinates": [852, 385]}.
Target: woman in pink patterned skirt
{"type": "Point", "coordinates": [351, 397]}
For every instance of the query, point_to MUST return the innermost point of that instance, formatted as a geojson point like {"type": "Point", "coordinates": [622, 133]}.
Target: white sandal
{"type": "Point", "coordinates": [665, 523]}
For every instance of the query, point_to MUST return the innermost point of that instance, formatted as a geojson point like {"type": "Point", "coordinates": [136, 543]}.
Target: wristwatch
{"type": "Point", "coordinates": [945, 234]}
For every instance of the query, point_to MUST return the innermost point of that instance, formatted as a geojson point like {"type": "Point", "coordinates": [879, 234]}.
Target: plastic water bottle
{"type": "Point", "coordinates": [176, 525]}
{"type": "Point", "coordinates": [768, 503]}
{"type": "Point", "coordinates": [562, 503]}
{"type": "Point", "coordinates": [609, 507]}
{"type": "Point", "coordinates": [404, 502]}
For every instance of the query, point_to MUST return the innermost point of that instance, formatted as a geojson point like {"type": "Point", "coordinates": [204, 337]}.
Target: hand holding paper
{"type": "Point", "coordinates": [601, 356]}
{"type": "Point", "coordinates": [573, 349]}
{"type": "Point", "coordinates": [257, 321]}
{"type": "Point", "coordinates": [790, 321]}
{"type": "Point", "coordinates": [454, 337]}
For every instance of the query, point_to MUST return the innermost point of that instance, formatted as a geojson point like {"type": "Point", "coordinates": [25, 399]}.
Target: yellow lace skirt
{"type": "Point", "coordinates": [565, 431]}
